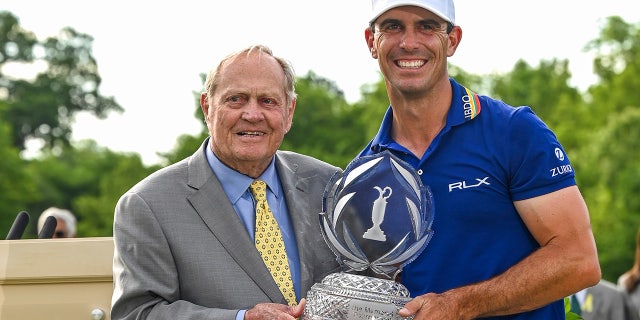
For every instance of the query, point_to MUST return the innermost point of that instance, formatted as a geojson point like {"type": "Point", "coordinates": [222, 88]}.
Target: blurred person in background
{"type": "Point", "coordinates": [603, 301]}
{"type": "Point", "coordinates": [629, 280]}
{"type": "Point", "coordinates": [66, 227]}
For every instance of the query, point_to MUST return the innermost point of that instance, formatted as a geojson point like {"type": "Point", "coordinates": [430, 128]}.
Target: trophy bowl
{"type": "Point", "coordinates": [376, 218]}
{"type": "Point", "coordinates": [351, 296]}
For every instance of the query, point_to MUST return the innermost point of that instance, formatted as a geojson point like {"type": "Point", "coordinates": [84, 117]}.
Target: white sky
{"type": "Point", "coordinates": [150, 54]}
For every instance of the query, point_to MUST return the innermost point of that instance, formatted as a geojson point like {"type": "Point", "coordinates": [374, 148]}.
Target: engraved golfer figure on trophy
{"type": "Point", "coordinates": [353, 200]}
{"type": "Point", "coordinates": [377, 215]}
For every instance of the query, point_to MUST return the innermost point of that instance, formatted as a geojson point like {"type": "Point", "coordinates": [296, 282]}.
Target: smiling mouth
{"type": "Point", "coordinates": [251, 133]}
{"type": "Point", "coordinates": [410, 64]}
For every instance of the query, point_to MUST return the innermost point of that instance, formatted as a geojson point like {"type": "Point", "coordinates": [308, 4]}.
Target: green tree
{"type": "Point", "coordinates": [609, 156]}
{"type": "Point", "coordinates": [16, 187]}
{"type": "Point", "coordinates": [323, 123]}
{"type": "Point", "coordinates": [546, 90]}
{"type": "Point", "coordinates": [613, 181]}
{"type": "Point", "coordinates": [96, 210]}
{"type": "Point", "coordinates": [617, 65]}
{"type": "Point", "coordinates": [476, 83]}
{"type": "Point", "coordinates": [86, 179]}
{"type": "Point", "coordinates": [185, 146]}
{"type": "Point", "coordinates": [369, 110]}
{"type": "Point", "coordinates": [17, 42]}
{"type": "Point", "coordinates": [44, 108]}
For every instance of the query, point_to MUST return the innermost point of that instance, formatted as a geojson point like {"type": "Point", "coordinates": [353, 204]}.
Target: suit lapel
{"type": "Point", "coordinates": [297, 195]}
{"type": "Point", "coordinates": [213, 206]}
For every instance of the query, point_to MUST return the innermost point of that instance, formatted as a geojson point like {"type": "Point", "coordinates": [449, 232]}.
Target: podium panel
{"type": "Point", "coordinates": [68, 279]}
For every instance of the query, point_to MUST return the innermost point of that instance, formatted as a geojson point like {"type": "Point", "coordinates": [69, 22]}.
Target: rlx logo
{"type": "Point", "coordinates": [465, 185]}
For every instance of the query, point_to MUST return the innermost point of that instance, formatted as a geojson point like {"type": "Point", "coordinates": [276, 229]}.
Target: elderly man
{"type": "Point", "coordinates": [232, 231]}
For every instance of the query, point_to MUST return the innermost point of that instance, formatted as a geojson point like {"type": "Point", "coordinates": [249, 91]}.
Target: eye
{"type": "Point", "coordinates": [235, 99]}
{"type": "Point", "coordinates": [269, 102]}
{"type": "Point", "coordinates": [390, 27]}
{"type": "Point", "coordinates": [431, 26]}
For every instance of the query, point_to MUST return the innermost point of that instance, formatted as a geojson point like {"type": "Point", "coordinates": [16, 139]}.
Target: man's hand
{"type": "Point", "coordinates": [275, 311]}
{"type": "Point", "coordinates": [430, 306]}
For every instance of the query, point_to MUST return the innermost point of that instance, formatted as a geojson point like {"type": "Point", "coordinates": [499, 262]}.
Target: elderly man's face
{"type": "Point", "coordinates": [248, 115]}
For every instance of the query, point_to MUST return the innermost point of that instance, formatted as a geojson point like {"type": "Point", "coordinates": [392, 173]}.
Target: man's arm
{"type": "Point", "coordinates": [566, 262]}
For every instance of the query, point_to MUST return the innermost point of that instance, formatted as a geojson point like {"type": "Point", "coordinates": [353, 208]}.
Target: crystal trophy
{"type": "Point", "coordinates": [376, 218]}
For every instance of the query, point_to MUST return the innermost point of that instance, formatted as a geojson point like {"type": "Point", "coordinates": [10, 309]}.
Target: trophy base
{"type": "Point", "coordinates": [375, 234]}
{"type": "Point", "coordinates": [344, 296]}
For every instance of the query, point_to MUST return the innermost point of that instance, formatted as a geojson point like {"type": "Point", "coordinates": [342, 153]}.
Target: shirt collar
{"type": "Point", "coordinates": [465, 106]}
{"type": "Point", "coordinates": [235, 184]}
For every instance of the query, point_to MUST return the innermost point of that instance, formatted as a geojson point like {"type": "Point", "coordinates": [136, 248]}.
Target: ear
{"type": "Point", "coordinates": [204, 104]}
{"type": "Point", "coordinates": [369, 38]}
{"type": "Point", "coordinates": [292, 108]}
{"type": "Point", "coordinates": [455, 36]}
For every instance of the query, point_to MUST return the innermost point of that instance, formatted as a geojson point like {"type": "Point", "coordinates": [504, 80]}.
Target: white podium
{"type": "Point", "coordinates": [52, 279]}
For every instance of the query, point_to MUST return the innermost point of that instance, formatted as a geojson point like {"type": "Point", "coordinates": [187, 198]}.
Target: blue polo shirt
{"type": "Point", "coordinates": [488, 155]}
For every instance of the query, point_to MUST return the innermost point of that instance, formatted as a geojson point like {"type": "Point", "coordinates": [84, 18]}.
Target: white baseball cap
{"type": "Point", "coordinates": [442, 8]}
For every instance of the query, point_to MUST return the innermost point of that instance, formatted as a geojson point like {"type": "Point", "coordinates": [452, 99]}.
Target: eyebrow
{"type": "Point", "coordinates": [422, 21]}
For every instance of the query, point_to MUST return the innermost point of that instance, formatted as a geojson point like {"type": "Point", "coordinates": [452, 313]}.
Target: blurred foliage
{"type": "Point", "coordinates": [43, 108]}
{"type": "Point", "coordinates": [597, 127]}
{"type": "Point", "coordinates": [86, 179]}
{"type": "Point", "coordinates": [323, 125]}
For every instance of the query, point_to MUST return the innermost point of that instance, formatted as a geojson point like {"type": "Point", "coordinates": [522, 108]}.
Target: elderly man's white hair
{"type": "Point", "coordinates": [63, 214]}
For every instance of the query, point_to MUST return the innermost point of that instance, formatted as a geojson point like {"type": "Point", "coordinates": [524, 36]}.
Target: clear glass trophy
{"type": "Point", "coordinates": [377, 217]}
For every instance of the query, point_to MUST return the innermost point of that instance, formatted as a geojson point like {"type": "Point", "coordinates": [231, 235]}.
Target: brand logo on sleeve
{"type": "Point", "coordinates": [560, 170]}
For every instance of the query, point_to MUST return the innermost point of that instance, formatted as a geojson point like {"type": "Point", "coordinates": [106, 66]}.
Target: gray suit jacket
{"type": "Point", "coordinates": [182, 252]}
{"type": "Point", "coordinates": [607, 302]}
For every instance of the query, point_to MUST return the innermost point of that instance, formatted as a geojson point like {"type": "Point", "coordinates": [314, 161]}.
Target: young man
{"type": "Point", "coordinates": [511, 231]}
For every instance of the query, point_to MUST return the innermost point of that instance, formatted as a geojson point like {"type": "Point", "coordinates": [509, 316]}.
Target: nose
{"type": "Point", "coordinates": [409, 40]}
{"type": "Point", "coordinates": [252, 111]}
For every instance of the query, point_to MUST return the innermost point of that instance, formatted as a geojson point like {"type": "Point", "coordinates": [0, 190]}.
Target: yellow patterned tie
{"type": "Point", "coordinates": [270, 244]}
